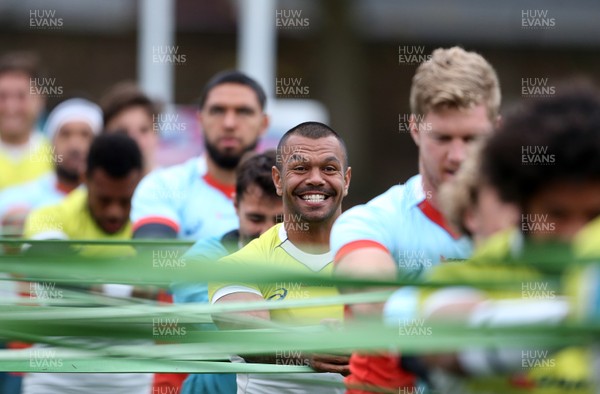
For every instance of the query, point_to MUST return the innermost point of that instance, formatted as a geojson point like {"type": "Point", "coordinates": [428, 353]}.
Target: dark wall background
{"type": "Point", "coordinates": [357, 77]}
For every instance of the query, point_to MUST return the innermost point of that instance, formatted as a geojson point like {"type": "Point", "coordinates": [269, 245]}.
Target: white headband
{"type": "Point", "coordinates": [72, 110]}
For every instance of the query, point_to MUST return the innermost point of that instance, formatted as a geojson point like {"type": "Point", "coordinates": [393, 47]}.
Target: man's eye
{"type": "Point", "coordinates": [245, 111]}
{"type": "Point", "coordinates": [216, 111]}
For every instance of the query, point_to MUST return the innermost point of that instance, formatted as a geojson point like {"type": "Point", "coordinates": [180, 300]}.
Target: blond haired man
{"type": "Point", "coordinates": [455, 100]}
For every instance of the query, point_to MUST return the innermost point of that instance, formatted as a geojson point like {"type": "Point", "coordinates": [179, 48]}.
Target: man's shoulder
{"type": "Point", "coordinates": [586, 243]}
{"type": "Point", "coordinates": [48, 219]}
{"type": "Point", "coordinates": [210, 248]}
{"type": "Point", "coordinates": [498, 248]}
{"type": "Point", "coordinates": [391, 203]}
{"type": "Point", "coordinates": [260, 247]}
{"type": "Point", "coordinates": [268, 240]}
{"type": "Point", "coordinates": [72, 202]}
{"type": "Point", "coordinates": [169, 185]}
{"type": "Point", "coordinates": [176, 174]}
{"type": "Point", "coordinates": [42, 183]}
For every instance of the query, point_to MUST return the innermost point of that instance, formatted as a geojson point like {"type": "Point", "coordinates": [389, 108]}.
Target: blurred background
{"type": "Point", "coordinates": [346, 62]}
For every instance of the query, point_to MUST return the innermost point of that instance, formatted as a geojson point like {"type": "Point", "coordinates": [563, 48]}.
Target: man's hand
{"type": "Point", "coordinates": [330, 363]}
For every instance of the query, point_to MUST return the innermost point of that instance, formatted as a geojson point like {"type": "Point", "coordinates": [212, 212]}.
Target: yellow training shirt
{"type": "Point", "coordinates": [71, 219]}
{"type": "Point", "coordinates": [273, 249]}
{"type": "Point", "coordinates": [36, 161]}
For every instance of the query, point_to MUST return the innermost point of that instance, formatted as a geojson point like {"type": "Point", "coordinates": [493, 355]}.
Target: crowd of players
{"type": "Point", "coordinates": [490, 189]}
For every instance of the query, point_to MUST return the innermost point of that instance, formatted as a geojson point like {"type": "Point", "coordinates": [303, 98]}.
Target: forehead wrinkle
{"type": "Point", "coordinates": [296, 157]}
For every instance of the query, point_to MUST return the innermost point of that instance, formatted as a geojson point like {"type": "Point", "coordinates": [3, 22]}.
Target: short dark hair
{"type": "Point", "coordinates": [25, 62]}
{"type": "Point", "coordinates": [566, 126]}
{"type": "Point", "coordinates": [255, 169]}
{"type": "Point", "coordinates": [233, 76]}
{"type": "Point", "coordinates": [125, 95]}
{"type": "Point", "coordinates": [312, 130]}
{"type": "Point", "coordinates": [115, 153]}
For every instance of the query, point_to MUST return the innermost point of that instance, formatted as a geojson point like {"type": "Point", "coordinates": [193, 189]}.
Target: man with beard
{"type": "Point", "coordinates": [194, 200]}
{"type": "Point", "coordinates": [312, 176]}
{"type": "Point", "coordinates": [71, 126]}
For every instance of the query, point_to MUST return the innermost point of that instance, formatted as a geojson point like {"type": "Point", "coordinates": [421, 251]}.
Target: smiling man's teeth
{"type": "Point", "coordinates": [313, 197]}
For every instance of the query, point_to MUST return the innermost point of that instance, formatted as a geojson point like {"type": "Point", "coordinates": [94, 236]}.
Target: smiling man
{"type": "Point", "coordinates": [312, 177]}
{"type": "Point", "coordinates": [259, 208]}
{"type": "Point", "coordinates": [24, 153]}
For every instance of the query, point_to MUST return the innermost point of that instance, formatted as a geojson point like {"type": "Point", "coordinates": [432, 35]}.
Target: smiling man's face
{"type": "Point", "coordinates": [313, 179]}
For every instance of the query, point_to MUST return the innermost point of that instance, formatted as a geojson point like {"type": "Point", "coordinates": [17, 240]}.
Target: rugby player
{"type": "Point", "coordinates": [24, 152]}
{"type": "Point", "coordinates": [259, 208]}
{"type": "Point", "coordinates": [557, 192]}
{"type": "Point", "coordinates": [312, 176]}
{"type": "Point", "coordinates": [194, 200]}
{"type": "Point", "coordinates": [98, 211]}
{"type": "Point", "coordinates": [126, 108]}
{"type": "Point", "coordinates": [454, 101]}
{"type": "Point", "coordinates": [71, 126]}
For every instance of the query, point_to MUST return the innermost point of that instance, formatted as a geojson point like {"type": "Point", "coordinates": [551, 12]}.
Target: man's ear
{"type": "Point", "coordinates": [266, 121]}
{"type": "Point", "coordinates": [413, 125]}
{"type": "Point", "coordinates": [236, 204]}
{"type": "Point", "coordinates": [347, 177]}
{"type": "Point", "coordinates": [498, 122]}
{"type": "Point", "coordinates": [277, 180]}
{"type": "Point", "coordinates": [470, 221]}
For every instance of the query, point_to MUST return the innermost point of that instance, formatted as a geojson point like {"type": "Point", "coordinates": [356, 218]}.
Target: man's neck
{"type": "Point", "coordinates": [149, 165]}
{"type": "Point", "coordinates": [15, 141]}
{"type": "Point", "coordinates": [66, 185]}
{"type": "Point", "coordinates": [431, 193]}
{"type": "Point", "coordinates": [309, 237]}
{"type": "Point", "coordinates": [219, 174]}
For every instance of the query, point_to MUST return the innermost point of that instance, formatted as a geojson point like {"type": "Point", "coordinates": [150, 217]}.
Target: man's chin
{"type": "Point", "coordinates": [71, 173]}
{"type": "Point", "coordinates": [448, 176]}
{"type": "Point", "coordinates": [112, 229]}
{"type": "Point", "coordinates": [314, 216]}
{"type": "Point", "coordinates": [13, 131]}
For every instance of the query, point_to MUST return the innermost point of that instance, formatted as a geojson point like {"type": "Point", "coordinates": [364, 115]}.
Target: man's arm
{"type": "Point", "coordinates": [154, 207]}
{"type": "Point", "coordinates": [362, 241]}
{"type": "Point", "coordinates": [226, 321]}
{"type": "Point", "coordinates": [155, 230]}
{"type": "Point", "coordinates": [366, 263]}
{"type": "Point", "coordinates": [318, 362]}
